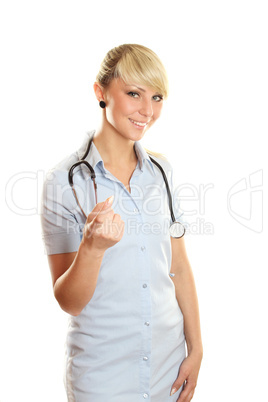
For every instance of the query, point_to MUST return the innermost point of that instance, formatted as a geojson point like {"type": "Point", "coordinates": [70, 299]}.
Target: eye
{"type": "Point", "coordinates": [158, 98]}
{"type": "Point", "coordinates": [133, 94]}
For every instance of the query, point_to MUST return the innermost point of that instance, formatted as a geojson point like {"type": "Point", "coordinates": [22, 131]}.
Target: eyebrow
{"type": "Point", "coordinates": [133, 85]}
{"type": "Point", "coordinates": [141, 89]}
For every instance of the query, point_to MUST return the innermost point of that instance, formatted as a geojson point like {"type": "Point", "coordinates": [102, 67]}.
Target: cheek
{"type": "Point", "coordinates": [112, 112]}
{"type": "Point", "coordinates": [120, 107]}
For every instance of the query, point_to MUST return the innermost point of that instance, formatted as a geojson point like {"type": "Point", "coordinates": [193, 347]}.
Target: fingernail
{"type": "Point", "coordinates": [109, 200]}
{"type": "Point", "coordinates": [173, 391]}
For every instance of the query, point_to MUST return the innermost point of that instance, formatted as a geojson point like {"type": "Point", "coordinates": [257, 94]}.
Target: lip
{"type": "Point", "coordinates": [139, 124]}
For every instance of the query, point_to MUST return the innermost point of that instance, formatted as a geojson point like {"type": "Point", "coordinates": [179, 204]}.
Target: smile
{"type": "Point", "coordinates": [139, 124]}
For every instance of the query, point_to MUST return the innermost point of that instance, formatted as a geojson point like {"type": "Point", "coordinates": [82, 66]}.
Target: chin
{"type": "Point", "coordinates": [136, 136]}
{"type": "Point", "coordinates": [132, 135]}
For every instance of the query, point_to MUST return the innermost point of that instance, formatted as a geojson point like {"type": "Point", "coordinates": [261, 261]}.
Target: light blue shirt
{"type": "Point", "coordinates": [128, 342]}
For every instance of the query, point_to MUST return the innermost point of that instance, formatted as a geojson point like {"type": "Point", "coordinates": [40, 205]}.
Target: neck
{"type": "Point", "coordinates": [115, 150]}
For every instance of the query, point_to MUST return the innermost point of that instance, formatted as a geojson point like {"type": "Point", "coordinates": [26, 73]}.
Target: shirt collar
{"type": "Point", "coordinates": [94, 158]}
{"type": "Point", "coordinates": [143, 156]}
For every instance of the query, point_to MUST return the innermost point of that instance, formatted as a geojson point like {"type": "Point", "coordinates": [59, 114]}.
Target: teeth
{"type": "Point", "coordinates": [138, 123]}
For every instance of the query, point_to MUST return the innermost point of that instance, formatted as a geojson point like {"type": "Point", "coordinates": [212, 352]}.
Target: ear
{"type": "Point", "coordinates": [99, 91]}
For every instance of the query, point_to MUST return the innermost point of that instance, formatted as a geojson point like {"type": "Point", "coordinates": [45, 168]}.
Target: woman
{"type": "Point", "coordinates": [127, 285]}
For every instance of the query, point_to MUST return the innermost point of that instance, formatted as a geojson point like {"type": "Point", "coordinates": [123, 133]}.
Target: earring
{"type": "Point", "coordinates": [102, 104]}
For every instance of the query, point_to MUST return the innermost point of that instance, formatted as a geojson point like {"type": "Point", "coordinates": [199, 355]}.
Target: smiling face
{"type": "Point", "coordinates": [131, 109]}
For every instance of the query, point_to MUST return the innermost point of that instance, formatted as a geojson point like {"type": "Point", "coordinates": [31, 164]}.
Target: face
{"type": "Point", "coordinates": [131, 109]}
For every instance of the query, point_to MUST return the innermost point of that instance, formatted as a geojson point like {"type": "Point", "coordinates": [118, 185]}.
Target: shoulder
{"type": "Point", "coordinates": [57, 193]}
{"type": "Point", "coordinates": [157, 157]}
{"type": "Point", "coordinates": [58, 174]}
{"type": "Point", "coordinates": [163, 162]}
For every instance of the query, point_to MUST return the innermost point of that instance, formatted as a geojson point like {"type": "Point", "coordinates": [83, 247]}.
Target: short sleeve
{"type": "Point", "coordinates": [61, 231]}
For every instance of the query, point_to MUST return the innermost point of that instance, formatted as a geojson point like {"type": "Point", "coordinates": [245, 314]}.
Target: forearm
{"type": "Point", "coordinates": [74, 289]}
{"type": "Point", "coordinates": [188, 302]}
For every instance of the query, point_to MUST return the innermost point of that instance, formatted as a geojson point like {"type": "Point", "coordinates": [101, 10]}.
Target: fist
{"type": "Point", "coordinates": [103, 228]}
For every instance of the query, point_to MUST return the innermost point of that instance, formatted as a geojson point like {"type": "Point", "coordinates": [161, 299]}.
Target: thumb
{"type": "Point", "coordinates": [100, 207]}
{"type": "Point", "coordinates": [109, 201]}
{"type": "Point", "coordinates": [178, 383]}
{"type": "Point", "coordinates": [105, 205]}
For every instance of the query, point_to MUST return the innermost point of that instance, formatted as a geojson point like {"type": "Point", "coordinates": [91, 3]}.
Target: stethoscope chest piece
{"type": "Point", "coordinates": [176, 230]}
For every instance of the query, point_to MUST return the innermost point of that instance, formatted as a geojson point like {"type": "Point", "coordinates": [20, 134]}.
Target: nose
{"type": "Point", "coordinates": [146, 108]}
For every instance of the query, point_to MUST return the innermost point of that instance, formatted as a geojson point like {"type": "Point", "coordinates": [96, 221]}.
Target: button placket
{"type": "Point", "coordinates": [144, 264]}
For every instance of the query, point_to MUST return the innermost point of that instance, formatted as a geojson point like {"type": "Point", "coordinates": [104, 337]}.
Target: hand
{"type": "Point", "coordinates": [103, 228]}
{"type": "Point", "coordinates": [187, 377]}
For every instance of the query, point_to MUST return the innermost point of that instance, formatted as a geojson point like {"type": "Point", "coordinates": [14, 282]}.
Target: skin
{"type": "Point", "coordinates": [74, 278]}
{"type": "Point", "coordinates": [117, 133]}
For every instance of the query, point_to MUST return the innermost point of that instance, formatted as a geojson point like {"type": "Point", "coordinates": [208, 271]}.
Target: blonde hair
{"type": "Point", "coordinates": [134, 64]}
{"type": "Point", "coordinates": [156, 154]}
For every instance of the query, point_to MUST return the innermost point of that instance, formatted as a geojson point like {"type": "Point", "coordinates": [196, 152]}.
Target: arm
{"type": "Point", "coordinates": [186, 294]}
{"type": "Point", "coordinates": [187, 300]}
{"type": "Point", "coordinates": [75, 275]}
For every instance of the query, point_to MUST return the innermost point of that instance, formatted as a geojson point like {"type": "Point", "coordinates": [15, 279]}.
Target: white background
{"type": "Point", "coordinates": [213, 130]}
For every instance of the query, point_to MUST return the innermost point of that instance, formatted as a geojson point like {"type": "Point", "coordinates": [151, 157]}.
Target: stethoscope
{"type": "Point", "coordinates": [176, 228]}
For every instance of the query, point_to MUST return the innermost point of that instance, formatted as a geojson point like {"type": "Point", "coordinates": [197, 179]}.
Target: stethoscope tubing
{"type": "Point", "coordinates": [82, 161]}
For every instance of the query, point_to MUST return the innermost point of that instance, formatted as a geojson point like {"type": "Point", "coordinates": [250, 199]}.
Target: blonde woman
{"type": "Point", "coordinates": [125, 282]}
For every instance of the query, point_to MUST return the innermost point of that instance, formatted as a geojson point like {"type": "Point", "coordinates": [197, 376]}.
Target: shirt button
{"type": "Point", "coordinates": [144, 285]}
{"type": "Point", "coordinates": [147, 323]}
{"type": "Point", "coordinates": [143, 248]}
{"type": "Point", "coordinates": [145, 358]}
{"type": "Point", "coordinates": [145, 396]}
{"type": "Point", "coordinates": [135, 211]}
